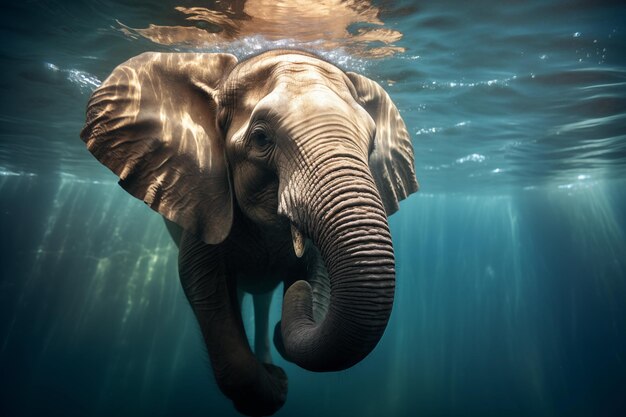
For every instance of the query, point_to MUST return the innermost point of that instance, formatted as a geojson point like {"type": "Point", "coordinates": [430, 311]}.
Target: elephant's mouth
{"type": "Point", "coordinates": [298, 241]}
{"type": "Point", "coordinates": [317, 272]}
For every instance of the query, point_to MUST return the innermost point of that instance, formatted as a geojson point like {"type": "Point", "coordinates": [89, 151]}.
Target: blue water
{"type": "Point", "coordinates": [511, 259]}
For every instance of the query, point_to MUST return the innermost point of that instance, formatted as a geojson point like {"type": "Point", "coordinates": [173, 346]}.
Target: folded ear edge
{"type": "Point", "coordinates": [391, 160]}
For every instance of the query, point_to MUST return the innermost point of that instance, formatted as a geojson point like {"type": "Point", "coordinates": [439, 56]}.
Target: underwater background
{"type": "Point", "coordinates": [511, 259]}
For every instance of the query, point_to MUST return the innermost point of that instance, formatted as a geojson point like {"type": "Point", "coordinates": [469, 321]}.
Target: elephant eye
{"type": "Point", "coordinates": [259, 139]}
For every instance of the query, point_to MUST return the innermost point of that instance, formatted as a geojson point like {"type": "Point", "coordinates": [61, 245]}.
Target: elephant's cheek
{"type": "Point", "coordinates": [256, 192]}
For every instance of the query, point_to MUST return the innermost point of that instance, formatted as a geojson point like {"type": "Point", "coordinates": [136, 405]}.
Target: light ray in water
{"type": "Point", "coordinates": [490, 307]}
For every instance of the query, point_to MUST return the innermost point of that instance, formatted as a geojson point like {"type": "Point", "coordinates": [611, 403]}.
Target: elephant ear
{"type": "Point", "coordinates": [153, 123]}
{"type": "Point", "coordinates": [391, 161]}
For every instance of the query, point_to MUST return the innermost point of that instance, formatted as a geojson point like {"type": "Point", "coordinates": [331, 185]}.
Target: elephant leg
{"type": "Point", "coordinates": [256, 389]}
{"type": "Point", "coordinates": [262, 304]}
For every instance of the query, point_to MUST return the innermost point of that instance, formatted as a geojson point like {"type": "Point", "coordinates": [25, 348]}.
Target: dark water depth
{"type": "Point", "coordinates": [511, 260]}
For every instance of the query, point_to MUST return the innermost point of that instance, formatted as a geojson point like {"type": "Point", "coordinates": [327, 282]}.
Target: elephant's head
{"type": "Point", "coordinates": [284, 138]}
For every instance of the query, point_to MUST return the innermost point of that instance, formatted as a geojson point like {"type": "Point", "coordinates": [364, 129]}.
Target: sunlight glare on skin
{"type": "Point", "coordinates": [134, 91]}
{"type": "Point", "coordinates": [194, 133]}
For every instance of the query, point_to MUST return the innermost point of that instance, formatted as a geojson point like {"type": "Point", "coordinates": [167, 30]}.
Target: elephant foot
{"type": "Point", "coordinates": [264, 396]}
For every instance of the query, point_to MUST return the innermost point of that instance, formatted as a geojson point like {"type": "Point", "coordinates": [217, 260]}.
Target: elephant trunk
{"type": "Point", "coordinates": [346, 221]}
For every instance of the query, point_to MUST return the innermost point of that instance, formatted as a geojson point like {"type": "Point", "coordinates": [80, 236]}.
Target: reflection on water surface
{"type": "Point", "coordinates": [329, 24]}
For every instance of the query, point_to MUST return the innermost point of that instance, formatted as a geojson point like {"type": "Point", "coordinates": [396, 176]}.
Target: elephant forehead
{"type": "Point", "coordinates": [299, 100]}
{"type": "Point", "coordinates": [291, 73]}
{"type": "Point", "coordinates": [276, 61]}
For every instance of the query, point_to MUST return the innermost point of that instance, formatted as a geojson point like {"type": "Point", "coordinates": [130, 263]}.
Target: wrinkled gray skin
{"type": "Point", "coordinates": [281, 168]}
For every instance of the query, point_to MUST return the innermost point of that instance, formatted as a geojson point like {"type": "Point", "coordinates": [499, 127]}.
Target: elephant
{"type": "Point", "coordinates": [281, 168]}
